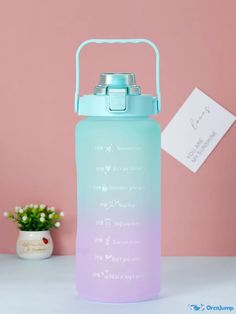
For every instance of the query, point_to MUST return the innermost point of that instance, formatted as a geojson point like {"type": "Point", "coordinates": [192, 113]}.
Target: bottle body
{"type": "Point", "coordinates": [118, 226]}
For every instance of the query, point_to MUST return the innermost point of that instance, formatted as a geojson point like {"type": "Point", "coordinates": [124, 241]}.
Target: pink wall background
{"type": "Point", "coordinates": [37, 77]}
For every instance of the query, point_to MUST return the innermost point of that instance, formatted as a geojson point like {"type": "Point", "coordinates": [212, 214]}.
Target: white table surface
{"type": "Point", "coordinates": [48, 286]}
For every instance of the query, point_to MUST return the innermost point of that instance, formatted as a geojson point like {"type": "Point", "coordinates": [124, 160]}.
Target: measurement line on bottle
{"type": "Point", "coordinates": [109, 222]}
{"type": "Point", "coordinates": [115, 259]}
{"type": "Point", "coordinates": [107, 241]}
{"type": "Point", "coordinates": [106, 274]}
{"type": "Point", "coordinates": [110, 148]}
{"type": "Point", "coordinates": [116, 204]}
{"type": "Point", "coordinates": [106, 188]}
{"type": "Point", "coordinates": [106, 169]}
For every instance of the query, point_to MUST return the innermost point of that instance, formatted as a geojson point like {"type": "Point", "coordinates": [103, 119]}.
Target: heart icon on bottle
{"type": "Point", "coordinates": [109, 148]}
{"type": "Point", "coordinates": [107, 257]}
{"type": "Point", "coordinates": [108, 168]}
{"type": "Point", "coordinates": [104, 188]}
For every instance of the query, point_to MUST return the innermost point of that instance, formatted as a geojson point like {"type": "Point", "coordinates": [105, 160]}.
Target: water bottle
{"type": "Point", "coordinates": [118, 187]}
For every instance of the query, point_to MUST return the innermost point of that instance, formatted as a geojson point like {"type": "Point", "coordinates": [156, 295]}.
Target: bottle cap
{"type": "Point", "coordinates": [117, 93]}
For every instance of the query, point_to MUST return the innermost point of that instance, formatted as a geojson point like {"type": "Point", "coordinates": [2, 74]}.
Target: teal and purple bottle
{"type": "Point", "coordinates": [118, 185]}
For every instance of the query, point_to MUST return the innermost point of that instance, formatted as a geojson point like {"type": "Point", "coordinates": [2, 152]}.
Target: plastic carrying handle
{"type": "Point", "coordinates": [116, 41]}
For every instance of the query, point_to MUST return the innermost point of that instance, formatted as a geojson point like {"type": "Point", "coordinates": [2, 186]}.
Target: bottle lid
{"type": "Point", "coordinates": [118, 95]}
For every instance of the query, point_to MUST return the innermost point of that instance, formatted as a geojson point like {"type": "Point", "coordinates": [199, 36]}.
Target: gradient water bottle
{"type": "Point", "coordinates": [118, 171]}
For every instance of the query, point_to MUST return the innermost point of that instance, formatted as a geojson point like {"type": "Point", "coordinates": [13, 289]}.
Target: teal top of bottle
{"type": "Point", "coordinates": [117, 93]}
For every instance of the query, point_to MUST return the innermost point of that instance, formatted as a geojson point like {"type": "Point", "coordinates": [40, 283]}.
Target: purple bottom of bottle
{"type": "Point", "coordinates": [101, 277]}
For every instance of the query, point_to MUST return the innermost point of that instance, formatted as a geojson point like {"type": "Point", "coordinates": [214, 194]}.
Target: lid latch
{"type": "Point", "coordinates": [117, 98]}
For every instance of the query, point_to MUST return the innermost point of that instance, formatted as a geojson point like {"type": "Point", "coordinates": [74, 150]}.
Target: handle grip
{"type": "Point", "coordinates": [115, 41]}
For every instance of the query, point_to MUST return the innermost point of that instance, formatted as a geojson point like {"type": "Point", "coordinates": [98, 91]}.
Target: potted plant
{"type": "Point", "coordinates": [34, 223]}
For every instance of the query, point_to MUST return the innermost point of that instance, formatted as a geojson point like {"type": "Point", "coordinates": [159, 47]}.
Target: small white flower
{"type": "Point", "coordinates": [5, 214]}
{"type": "Point", "coordinates": [36, 206]}
{"type": "Point", "coordinates": [42, 214]}
{"type": "Point", "coordinates": [52, 209]}
{"type": "Point", "coordinates": [62, 214]}
{"type": "Point", "coordinates": [42, 206]}
{"type": "Point", "coordinates": [57, 224]}
{"type": "Point", "coordinates": [24, 218]}
{"type": "Point", "coordinates": [50, 216]}
{"type": "Point", "coordinates": [42, 219]}
{"type": "Point", "coordinates": [17, 208]}
{"type": "Point", "coordinates": [21, 210]}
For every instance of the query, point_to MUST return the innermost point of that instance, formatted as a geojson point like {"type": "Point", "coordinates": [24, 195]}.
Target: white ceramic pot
{"type": "Point", "coordinates": [34, 244]}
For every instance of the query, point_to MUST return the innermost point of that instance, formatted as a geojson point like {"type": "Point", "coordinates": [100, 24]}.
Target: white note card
{"type": "Point", "coordinates": [196, 129]}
